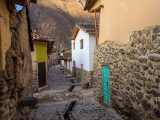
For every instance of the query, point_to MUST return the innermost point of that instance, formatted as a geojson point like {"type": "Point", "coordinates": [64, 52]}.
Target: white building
{"type": "Point", "coordinates": [83, 42]}
{"type": "Point", "coordinates": [67, 59]}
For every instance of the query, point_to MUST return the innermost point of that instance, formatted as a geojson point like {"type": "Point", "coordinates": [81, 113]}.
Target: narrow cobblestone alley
{"type": "Point", "coordinates": [55, 103]}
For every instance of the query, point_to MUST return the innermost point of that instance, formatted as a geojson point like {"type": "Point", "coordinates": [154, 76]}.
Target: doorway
{"type": "Point", "coordinates": [106, 85]}
{"type": "Point", "coordinates": [42, 74]}
{"type": "Point", "coordinates": [74, 68]}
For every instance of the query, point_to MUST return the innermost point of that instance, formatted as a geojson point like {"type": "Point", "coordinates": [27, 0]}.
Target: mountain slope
{"type": "Point", "coordinates": [57, 18]}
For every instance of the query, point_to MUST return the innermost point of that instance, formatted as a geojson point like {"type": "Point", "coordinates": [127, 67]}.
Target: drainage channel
{"type": "Point", "coordinates": [71, 106]}
{"type": "Point", "coordinates": [72, 87]}
{"type": "Point", "coordinates": [69, 110]}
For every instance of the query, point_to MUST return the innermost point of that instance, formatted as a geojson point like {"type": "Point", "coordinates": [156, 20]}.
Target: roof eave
{"type": "Point", "coordinates": [87, 6]}
{"type": "Point", "coordinates": [22, 2]}
{"type": "Point", "coordinates": [75, 33]}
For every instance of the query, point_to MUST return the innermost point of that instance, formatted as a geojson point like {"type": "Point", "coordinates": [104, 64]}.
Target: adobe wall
{"type": "Point", "coordinates": [18, 70]}
{"type": "Point", "coordinates": [134, 73]}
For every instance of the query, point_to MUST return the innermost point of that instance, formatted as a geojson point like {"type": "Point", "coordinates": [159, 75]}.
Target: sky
{"type": "Point", "coordinates": [18, 7]}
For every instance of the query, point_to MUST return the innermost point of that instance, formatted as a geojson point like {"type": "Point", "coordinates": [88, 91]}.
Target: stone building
{"type": "Point", "coordinates": [126, 66]}
{"type": "Point", "coordinates": [40, 61]}
{"type": "Point", "coordinates": [83, 42]}
{"type": "Point", "coordinates": [15, 60]}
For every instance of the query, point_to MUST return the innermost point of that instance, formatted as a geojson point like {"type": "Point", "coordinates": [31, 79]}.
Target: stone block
{"type": "Point", "coordinates": [139, 95]}
{"type": "Point", "coordinates": [2, 84]}
{"type": "Point", "coordinates": [156, 29]}
{"type": "Point", "coordinates": [156, 93]}
{"type": "Point", "coordinates": [150, 65]}
{"type": "Point", "coordinates": [136, 69]}
{"type": "Point", "coordinates": [140, 33]}
{"type": "Point", "coordinates": [148, 97]}
{"type": "Point", "coordinates": [3, 74]}
{"type": "Point", "coordinates": [143, 40]}
{"type": "Point", "coordinates": [158, 73]}
{"type": "Point", "coordinates": [146, 105]}
{"type": "Point", "coordinates": [84, 85]}
{"type": "Point", "coordinates": [149, 116]}
{"type": "Point", "coordinates": [142, 59]}
{"type": "Point", "coordinates": [154, 85]}
{"type": "Point", "coordinates": [142, 72]}
{"type": "Point", "coordinates": [27, 101]}
{"type": "Point", "coordinates": [156, 112]}
{"type": "Point", "coordinates": [5, 89]}
{"type": "Point", "coordinates": [137, 75]}
{"type": "Point", "coordinates": [138, 82]}
{"type": "Point", "coordinates": [150, 79]}
{"type": "Point", "coordinates": [158, 103]}
{"type": "Point", "coordinates": [154, 58]}
{"type": "Point", "coordinates": [138, 40]}
{"type": "Point", "coordinates": [144, 78]}
{"type": "Point", "coordinates": [132, 82]}
{"type": "Point", "coordinates": [122, 51]}
{"type": "Point", "coordinates": [157, 66]}
{"type": "Point", "coordinates": [145, 67]}
{"type": "Point", "coordinates": [151, 72]}
{"type": "Point", "coordinates": [154, 37]}
{"type": "Point", "coordinates": [137, 87]}
{"type": "Point", "coordinates": [157, 80]}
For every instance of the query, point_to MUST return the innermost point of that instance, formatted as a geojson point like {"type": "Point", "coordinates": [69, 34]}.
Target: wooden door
{"type": "Point", "coordinates": [82, 71]}
{"type": "Point", "coordinates": [106, 85]}
{"type": "Point", "coordinates": [74, 67]}
{"type": "Point", "coordinates": [42, 74]}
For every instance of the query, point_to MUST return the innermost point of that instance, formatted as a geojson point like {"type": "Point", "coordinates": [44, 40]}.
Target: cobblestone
{"type": "Point", "coordinates": [53, 103]}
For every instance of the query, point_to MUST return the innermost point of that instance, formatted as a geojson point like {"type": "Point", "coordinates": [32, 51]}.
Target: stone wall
{"type": "Point", "coordinates": [87, 76]}
{"type": "Point", "coordinates": [16, 80]}
{"type": "Point", "coordinates": [134, 73]}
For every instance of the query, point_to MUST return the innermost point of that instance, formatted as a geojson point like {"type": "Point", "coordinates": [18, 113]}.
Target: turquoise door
{"type": "Point", "coordinates": [106, 85]}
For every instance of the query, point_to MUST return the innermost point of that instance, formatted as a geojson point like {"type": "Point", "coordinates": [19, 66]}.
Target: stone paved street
{"type": "Point", "coordinates": [53, 103]}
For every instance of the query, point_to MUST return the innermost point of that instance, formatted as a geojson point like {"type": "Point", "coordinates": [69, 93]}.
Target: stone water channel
{"type": "Point", "coordinates": [63, 102]}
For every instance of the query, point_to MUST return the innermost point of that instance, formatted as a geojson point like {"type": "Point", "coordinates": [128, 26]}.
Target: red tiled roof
{"type": "Point", "coordinates": [40, 37]}
{"type": "Point", "coordinates": [53, 56]}
{"type": "Point", "coordinates": [87, 27]}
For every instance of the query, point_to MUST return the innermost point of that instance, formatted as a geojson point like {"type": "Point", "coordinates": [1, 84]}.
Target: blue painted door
{"type": "Point", "coordinates": [106, 85]}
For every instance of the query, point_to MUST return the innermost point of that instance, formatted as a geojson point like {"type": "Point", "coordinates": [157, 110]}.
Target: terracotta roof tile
{"type": "Point", "coordinates": [40, 37]}
{"type": "Point", "coordinates": [87, 27]}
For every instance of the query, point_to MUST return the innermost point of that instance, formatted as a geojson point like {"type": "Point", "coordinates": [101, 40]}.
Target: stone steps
{"type": "Point", "coordinates": [78, 84]}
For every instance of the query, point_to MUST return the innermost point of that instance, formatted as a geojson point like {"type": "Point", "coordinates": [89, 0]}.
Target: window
{"type": "Point", "coordinates": [81, 44]}
{"type": "Point", "coordinates": [73, 45]}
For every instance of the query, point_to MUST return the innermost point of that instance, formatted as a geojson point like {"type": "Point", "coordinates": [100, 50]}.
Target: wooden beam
{"type": "Point", "coordinates": [75, 33]}
{"type": "Point", "coordinates": [95, 18]}
{"type": "Point", "coordinates": [34, 1]}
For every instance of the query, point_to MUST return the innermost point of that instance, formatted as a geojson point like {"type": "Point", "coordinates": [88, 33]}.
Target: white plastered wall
{"type": "Point", "coordinates": [67, 65]}
{"type": "Point", "coordinates": [92, 43]}
{"type": "Point", "coordinates": [62, 61]}
{"type": "Point", "coordinates": [83, 56]}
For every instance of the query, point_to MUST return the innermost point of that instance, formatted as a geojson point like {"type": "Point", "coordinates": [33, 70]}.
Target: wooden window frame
{"type": "Point", "coordinates": [73, 45]}
{"type": "Point", "coordinates": [81, 47]}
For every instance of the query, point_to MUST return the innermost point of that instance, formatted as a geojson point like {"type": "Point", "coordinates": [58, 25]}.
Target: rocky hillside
{"type": "Point", "coordinates": [57, 18]}
{"type": "Point", "coordinates": [81, 2]}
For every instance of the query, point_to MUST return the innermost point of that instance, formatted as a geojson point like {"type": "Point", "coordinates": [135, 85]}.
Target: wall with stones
{"type": "Point", "coordinates": [134, 73]}
{"type": "Point", "coordinates": [16, 79]}
{"type": "Point", "coordinates": [87, 76]}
